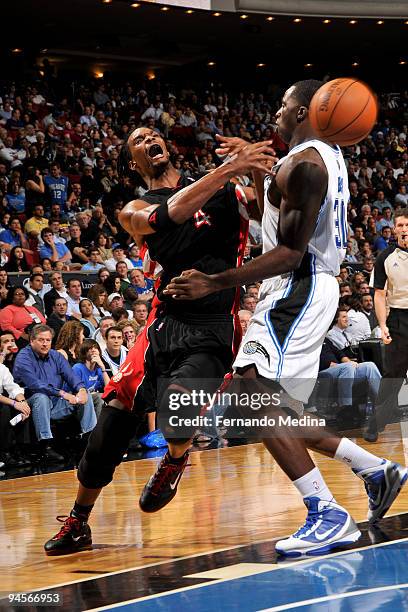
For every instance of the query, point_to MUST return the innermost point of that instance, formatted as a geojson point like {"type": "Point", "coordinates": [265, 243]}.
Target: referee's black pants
{"type": "Point", "coordinates": [395, 367]}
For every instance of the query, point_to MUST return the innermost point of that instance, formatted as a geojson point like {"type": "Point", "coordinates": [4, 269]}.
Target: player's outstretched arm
{"type": "Point", "coordinates": [135, 217]}
{"type": "Point", "coordinates": [303, 185]}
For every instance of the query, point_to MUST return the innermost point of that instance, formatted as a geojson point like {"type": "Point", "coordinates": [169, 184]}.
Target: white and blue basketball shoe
{"type": "Point", "coordinates": [327, 526]}
{"type": "Point", "coordinates": [382, 483]}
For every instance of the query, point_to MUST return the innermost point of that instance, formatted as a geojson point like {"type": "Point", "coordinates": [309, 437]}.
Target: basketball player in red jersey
{"type": "Point", "coordinates": [201, 224]}
{"type": "Point", "coordinates": [304, 241]}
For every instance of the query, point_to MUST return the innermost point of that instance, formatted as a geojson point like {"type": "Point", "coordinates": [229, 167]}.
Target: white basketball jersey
{"type": "Point", "coordinates": [329, 240]}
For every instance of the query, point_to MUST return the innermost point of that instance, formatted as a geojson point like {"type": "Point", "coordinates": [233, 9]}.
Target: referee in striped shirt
{"type": "Point", "coordinates": [390, 281]}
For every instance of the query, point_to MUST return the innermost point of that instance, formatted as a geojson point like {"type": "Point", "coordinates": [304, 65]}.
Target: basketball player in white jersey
{"type": "Point", "coordinates": [304, 242]}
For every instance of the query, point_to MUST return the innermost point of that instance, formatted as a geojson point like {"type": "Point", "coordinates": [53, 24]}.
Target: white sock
{"type": "Point", "coordinates": [354, 456]}
{"type": "Point", "coordinates": [312, 484]}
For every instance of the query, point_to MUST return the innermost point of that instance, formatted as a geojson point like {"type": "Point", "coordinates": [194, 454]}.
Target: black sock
{"type": "Point", "coordinates": [81, 512]}
{"type": "Point", "coordinates": [177, 460]}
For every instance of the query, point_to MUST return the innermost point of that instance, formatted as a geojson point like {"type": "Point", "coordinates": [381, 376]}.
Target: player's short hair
{"type": "Point", "coordinates": [402, 213]}
{"type": "Point", "coordinates": [305, 90]}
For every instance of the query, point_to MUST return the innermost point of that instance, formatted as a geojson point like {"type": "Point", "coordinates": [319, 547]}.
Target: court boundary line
{"type": "Point", "coordinates": [214, 582]}
{"type": "Point", "coordinates": [325, 598]}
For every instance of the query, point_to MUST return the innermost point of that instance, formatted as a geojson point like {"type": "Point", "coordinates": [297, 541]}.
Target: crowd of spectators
{"type": "Point", "coordinates": [85, 297]}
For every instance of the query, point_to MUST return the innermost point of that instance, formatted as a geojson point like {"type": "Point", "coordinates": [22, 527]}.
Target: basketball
{"type": "Point", "coordinates": [343, 111]}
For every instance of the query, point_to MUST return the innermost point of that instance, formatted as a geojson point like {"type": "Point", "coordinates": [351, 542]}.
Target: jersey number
{"type": "Point", "coordinates": [200, 218]}
{"type": "Point", "coordinates": [340, 224]}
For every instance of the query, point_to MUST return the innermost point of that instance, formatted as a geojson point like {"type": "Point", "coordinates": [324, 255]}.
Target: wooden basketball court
{"type": "Point", "coordinates": [218, 533]}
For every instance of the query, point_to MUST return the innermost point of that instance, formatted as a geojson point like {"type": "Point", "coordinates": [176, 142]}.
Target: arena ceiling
{"type": "Point", "coordinates": [112, 37]}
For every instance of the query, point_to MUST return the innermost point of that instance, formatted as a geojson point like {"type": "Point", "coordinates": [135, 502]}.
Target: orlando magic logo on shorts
{"type": "Point", "coordinates": [250, 348]}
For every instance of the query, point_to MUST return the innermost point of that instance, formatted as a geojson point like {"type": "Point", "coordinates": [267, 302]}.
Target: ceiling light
{"type": "Point", "coordinates": [243, 16]}
{"type": "Point", "coordinates": [260, 65]}
{"type": "Point", "coordinates": [402, 63]}
{"type": "Point", "coordinates": [308, 65]}
{"type": "Point", "coordinates": [189, 12]}
{"type": "Point", "coordinates": [297, 20]}
{"type": "Point", "coordinates": [326, 20]}
{"type": "Point", "coordinates": [353, 21]}
{"type": "Point", "coordinates": [216, 14]}
{"type": "Point", "coordinates": [151, 75]}
{"type": "Point", "coordinates": [164, 9]}
{"type": "Point", "coordinates": [135, 5]}
{"type": "Point", "coordinates": [355, 64]}
{"type": "Point", "coordinates": [380, 22]}
{"type": "Point", "coordinates": [16, 50]}
{"type": "Point", "coordinates": [106, 1]}
{"type": "Point", "coordinates": [406, 22]}
{"type": "Point", "coordinates": [98, 74]}
{"type": "Point", "coordinates": [211, 64]}
{"type": "Point", "coordinates": [270, 18]}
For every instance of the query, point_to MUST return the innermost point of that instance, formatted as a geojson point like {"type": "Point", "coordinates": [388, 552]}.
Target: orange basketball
{"type": "Point", "coordinates": [343, 111]}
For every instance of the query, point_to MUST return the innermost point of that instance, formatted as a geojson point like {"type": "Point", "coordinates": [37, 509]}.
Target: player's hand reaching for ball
{"type": "Point", "coordinates": [190, 285]}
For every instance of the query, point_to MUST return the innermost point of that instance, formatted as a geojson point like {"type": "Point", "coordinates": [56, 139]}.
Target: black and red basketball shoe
{"type": "Point", "coordinates": [162, 486]}
{"type": "Point", "coordinates": [74, 535]}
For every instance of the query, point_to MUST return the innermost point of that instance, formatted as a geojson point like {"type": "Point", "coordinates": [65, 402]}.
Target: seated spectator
{"type": "Point", "coordinates": [58, 317]}
{"type": "Point", "coordinates": [368, 267]}
{"type": "Point", "coordinates": [336, 366]}
{"type": "Point", "coordinates": [130, 330]}
{"type": "Point", "coordinates": [113, 284]}
{"type": "Point", "coordinates": [345, 289]}
{"type": "Point", "coordinates": [122, 272]}
{"type": "Point", "coordinates": [17, 261]}
{"type": "Point", "coordinates": [115, 301]}
{"type": "Point", "coordinates": [44, 373]}
{"type": "Point", "coordinates": [101, 242]}
{"type": "Point", "coordinates": [88, 319]}
{"type": "Point", "coordinates": [54, 251]}
{"type": "Point", "coordinates": [77, 245]}
{"type": "Point", "coordinates": [35, 287]}
{"type": "Point", "coordinates": [91, 370]}
{"type": "Point", "coordinates": [8, 349]}
{"type": "Point", "coordinates": [15, 394]}
{"type": "Point", "coordinates": [56, 186]}
{"type": "Point", "coordinates": [386, 220]}
{"type": "Point", "coordinates": [118, 254]}
{"type": "Point", "coordinates": [36, 223]}
{"type": "Point", "coordinates": [13, 236]}
{"type": "Point", "coordinates": [98, 296]}
{"type": "Point", "coordinates": [344, 273]}
{"type": "Point", "coordinates": [46, 264]}
{"type": "Point", "coordinates": [381, 202]}
{"type": "Point", "coordinates": [4, 286]}
{"type": "Point", "coordinates": [142, 285]}
{"type": "Point", "coordinates": [140, 313]}
{"type": "Point", "coordinates": [120, 314]}
{"type": "Point", "coordinates": [57, 290]}
{"type": "Point", "coordinates": [134, 256]}
{"type": "Point", "coordinates": [16, 316]}
{"type": "Point", "coordinates": [383, 241]}
{"type": "Point", "coordinates": [249, 303]}
{"type": "Point", "coordinates": [401, 199]}
{"type": "Point", "coordinates": [100, 224]}
{"type": "Point", "coordinates": [74, 295]}
{"type": "Point", "coordinates": [15, 199]}
{"type": "Point", "coordinates": [244, 319]}
{"type": "Point", "coordinates": [358, 327]}
{"type": "Point", "coordinates": [367, 308]}
{"type": "Point", "coordinates": [350, 257]}
{"type": "Point", "coordinates": [93, 264]}
{"type": "Point", "coordinates": [103, 274]}
{"type": "Point", "coordinates": [100, 335]}
{"type": "Point", "coordinates": [115, 353]}
{"type": "Point", "coordinates": [70, 340]}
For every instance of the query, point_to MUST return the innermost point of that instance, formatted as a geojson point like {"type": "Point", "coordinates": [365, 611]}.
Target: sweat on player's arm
{"type": "Point", "coordinates": [138, 218]}
{"type": "Point", "coordinates": [303, 185]}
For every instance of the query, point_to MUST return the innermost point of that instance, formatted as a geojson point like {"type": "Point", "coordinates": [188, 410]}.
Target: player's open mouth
{"type": "Point", "coordinates": [155, 151]}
